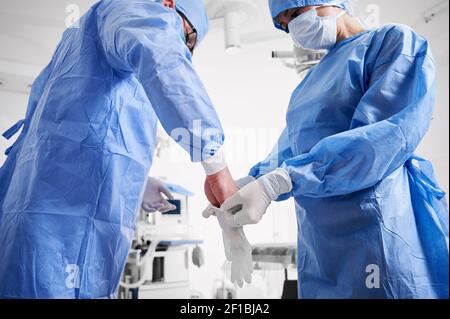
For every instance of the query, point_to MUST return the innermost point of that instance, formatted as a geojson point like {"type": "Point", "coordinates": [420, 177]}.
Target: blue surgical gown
{"type": "Point", "coordinates": [72, 184]}
{"type": "Point", "coordinates": [372, 221]}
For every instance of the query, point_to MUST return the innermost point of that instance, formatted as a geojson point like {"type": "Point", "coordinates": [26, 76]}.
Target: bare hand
{"type": "Point", "coordinates": [219, 187]}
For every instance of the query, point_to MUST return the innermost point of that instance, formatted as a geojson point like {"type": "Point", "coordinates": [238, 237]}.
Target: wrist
{"type": "Point", "coordinates": [216, 163]}
{"type": "Point", "coordinates": [276, 183]}
{"type": "Point", "coordinates": [244, 181]}
{"type": "Point", "coordinates": [222, 185]}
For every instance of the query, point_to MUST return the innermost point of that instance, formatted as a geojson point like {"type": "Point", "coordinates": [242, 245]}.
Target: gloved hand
{"type": "Point", "coordinates": [244, 181]}
{"type": "Point", "coordinates": [237, 247]}
{"type": "Point", "coordinates": [153, 199]}
{"type": "Point", "coordinates": [252, 201]}
{"type": "Point", "coordinates": [219, 187]}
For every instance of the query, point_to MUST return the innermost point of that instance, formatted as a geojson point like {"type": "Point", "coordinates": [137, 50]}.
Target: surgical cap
{"type": "Point", "coordinates": [279, 6]}
{"type": "Point", "coordinates": [195, 12]}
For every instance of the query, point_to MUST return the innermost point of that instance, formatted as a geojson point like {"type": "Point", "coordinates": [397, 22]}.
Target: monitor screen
{"type": "Point", "coordinates": [177, 210]}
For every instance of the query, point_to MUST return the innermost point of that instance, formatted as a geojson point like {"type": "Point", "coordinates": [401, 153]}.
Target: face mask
{"type": "Point", "coordinates": [312, 32]}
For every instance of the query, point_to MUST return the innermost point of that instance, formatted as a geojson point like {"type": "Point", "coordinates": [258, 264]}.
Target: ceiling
{"type": "Point", "coordinates": [30, 30]}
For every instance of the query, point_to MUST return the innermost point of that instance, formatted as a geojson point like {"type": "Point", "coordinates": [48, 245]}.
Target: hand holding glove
{"type": "Point", "coordinates": [247, 206]}
{"type": "Point", "coordinates": [153, 197]}
{"type": "Point", "coordinates": [252, 201]}
{"type": "Point", "coordinates": [219, 187]}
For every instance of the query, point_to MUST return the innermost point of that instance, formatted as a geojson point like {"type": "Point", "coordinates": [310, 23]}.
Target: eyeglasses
{"type": "Point", "coordinates": [290, 15]}
{"type": "Point", "coordinates": [191, 40]}
{"type": "Point", "coordinates": [191, 37]}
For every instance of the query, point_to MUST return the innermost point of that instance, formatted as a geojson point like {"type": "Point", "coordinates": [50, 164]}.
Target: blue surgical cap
{"type": "Point", "coordinates": [195, 12]}
{"type": "Point", "coordinates": [279, 6]}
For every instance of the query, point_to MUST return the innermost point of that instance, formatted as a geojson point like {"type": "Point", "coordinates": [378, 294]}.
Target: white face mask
{"type": "Point", "coordinates": [312, 32]}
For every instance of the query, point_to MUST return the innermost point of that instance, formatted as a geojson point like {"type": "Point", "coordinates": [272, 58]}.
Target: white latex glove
{"type": "Point", "coordinates": [237, 247]}
{"type": "Point", "coordinates": [251, 202]}
{"type": "Point", "coordinates": [153, 197]}
{"type": "Point", "coordinates": [244, 181]}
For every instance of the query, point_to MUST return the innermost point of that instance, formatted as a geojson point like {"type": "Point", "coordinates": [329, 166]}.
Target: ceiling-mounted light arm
{"type": "Point", "coordinates": [286, 57]}
{"type": "Point", "coordinates": [232, 31]}
{"type": "Point", "coordinates": [235, 15]}
{"type": "Point", "coordinates": [301, 60]}
{"type": "Point", "coordinates": [283, 55]}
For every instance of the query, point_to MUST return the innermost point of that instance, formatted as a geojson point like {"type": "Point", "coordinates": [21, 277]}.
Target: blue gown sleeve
{"type": "Point", "coordinates": [280, 153]}
{"type": "Point", "coordinates": [145, 38]}
{"type": "Point", "coordinates": [390, 121]}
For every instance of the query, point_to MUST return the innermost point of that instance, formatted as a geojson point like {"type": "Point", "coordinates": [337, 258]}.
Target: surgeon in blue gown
{"type": "Point", "coordinates": [73, 182]}
{"type": "Point", "coordinates": [372, 220]}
